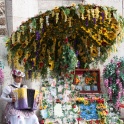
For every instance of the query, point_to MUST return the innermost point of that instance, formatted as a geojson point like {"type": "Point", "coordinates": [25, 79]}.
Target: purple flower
{"type": "Point", "coordinates": [94, 20]}
{"type": "Point", "coordinates": [86, 21]}
{"type": "Point", "coordinates": [78, 64]}
{"type": "Point", "coordinates": [103, 16]}
{"type": "Point", "coordinates": [77, 53]}
{"type": "Point", "coordinates": [37, 35]}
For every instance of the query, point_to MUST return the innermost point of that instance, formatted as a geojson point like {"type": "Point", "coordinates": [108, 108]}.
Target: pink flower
{"type": "Point", "coordinates": [106, 82]}
{"type": "Point", "coordinates": [117, 81]}
{"type": "Point", "coordinates": [117, 72]}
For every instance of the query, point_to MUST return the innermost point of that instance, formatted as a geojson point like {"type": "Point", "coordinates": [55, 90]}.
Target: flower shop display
{"type": "Point", "coordinates": [58, 100]}
{"type": "Point", "coordinates": [113, 75]}
{"type": "Point", "coordinates": [89, 30]}
{"type": "Point", "coordinates": [92, 109]}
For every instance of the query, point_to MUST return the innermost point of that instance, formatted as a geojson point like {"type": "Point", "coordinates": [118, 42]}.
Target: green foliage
{"type": "Point", "coordinates": [67, 61]}
{"type": "Point", "coordinates": [113, 75]}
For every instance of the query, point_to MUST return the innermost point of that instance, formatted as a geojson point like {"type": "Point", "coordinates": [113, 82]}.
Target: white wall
{"type": "Point", "coordinates": [44, 5]}
{"type": "Point", "coordinates": [18, 11]}
{"type": "Point", "coordinates": [115, 3]}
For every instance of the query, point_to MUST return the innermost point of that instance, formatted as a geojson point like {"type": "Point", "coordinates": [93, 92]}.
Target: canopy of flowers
{"type": "Point", "coordinates": [113, 75]}
{"type": "Point", "coordinates": [89, 29]}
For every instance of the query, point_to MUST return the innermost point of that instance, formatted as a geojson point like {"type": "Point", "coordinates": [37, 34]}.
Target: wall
{"type": "Point", "coordinates": [44, 5]}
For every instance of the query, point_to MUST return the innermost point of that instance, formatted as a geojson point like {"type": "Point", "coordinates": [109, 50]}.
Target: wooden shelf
{"type": "Point", "coordinates": [92, 75]}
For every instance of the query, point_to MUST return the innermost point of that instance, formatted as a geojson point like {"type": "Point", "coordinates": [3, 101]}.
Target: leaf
{"type": "Point", "coordinates": [6, 39]}
{"type": "Point", "coordinates": [66, 11]}
{"type": "Point", "coordinates": [81, 8]}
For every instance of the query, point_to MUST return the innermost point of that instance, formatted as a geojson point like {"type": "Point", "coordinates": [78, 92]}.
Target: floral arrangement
{"type": "Point", "coordinates": [113, 75]}
{"type": "Point", "coordinates": [1, 77]}
{"type": "Point", "coordinates": [92, 108]}
{"type": "Point", "coordinates": [91, 31]}
{"type": "Point", "coordinates": [77, 80]}
{"type": "Point", "coordinates": [91, 78]}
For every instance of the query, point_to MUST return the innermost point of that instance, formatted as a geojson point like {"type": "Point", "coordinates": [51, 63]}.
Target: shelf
{"type": "Point", "coordinates": [87, 80]}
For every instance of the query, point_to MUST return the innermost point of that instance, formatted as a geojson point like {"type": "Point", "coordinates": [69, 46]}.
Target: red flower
{"type": "Point", "coordinates": [66, 75]}
{"type": "Point", "coordinates": [41, 64]}
{"type": "Point", "coordinates": [79, 119]}
{"type": "Point", "coordinates": [104, 43]}
{"type": "Point", "coordinates": [106, 112]}
{"type": "Point", "coordinates": [100, 101]}
{"type": "Point", "coordinates": [74, 106]}
{"type": "Point", "coordinates": [24, 60]}
{"type": "Point", "coordinates": [97, 121]}
{"type": "Point", "coordinates": [66, 40]}
{"type": "Point", "coordinates": [121, 105]}
{"type": "Point", "coordinates": [118, 64]}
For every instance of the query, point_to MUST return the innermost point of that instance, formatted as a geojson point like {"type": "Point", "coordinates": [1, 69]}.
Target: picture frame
{"type": "Point", "coordinates": [89, 79]}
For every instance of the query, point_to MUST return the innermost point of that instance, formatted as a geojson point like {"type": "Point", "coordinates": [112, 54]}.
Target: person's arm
{"type": "Point", "coordinates": [5, 94]}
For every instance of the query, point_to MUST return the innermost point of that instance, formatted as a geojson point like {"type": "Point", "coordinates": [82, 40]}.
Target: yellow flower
{"type": "Point", "coordinates": [103, 31]}
{"type": "Point", "coordinates": [98, 42]}
{"type": "Point", "coordinates": [95, 36]}
{"type": "Point", "coordinates": [73, 4]}
{"type": "Point", "coordinates": [19, 52]}
{"type": "Point", "coordinates": [82, 99]}
{"type": "Point", "coordinates": [88, 31]}
{"type": "Point", "coordinates": [45, 107]}
{"type": "Point", "coordinates": [56, 7]}
{"type": "Point", "coordinates": [83, 28]}
{"type": "Point", "coordinates": [77, 99]}
{"type": "Point", "coordinates": [115, 27]}
{"type": "Point", "coordinates": [51, 65]}
{"type": "Point", "coordinates": [86, 102]}
{"type": "Point", "coordinates": [111, 35]}
{"type": "Point", "coordinates": [104, 113]}
{"type": "Point", "coordinates": [7, 42]}
{"type": "Point", "coordinates": [101, 106]}
{"type": "Point", "coordinates": [94, 51]}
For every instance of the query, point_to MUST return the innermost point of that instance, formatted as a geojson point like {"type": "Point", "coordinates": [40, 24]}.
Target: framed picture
{"type": "Point", "coordinates": [88, 80]}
